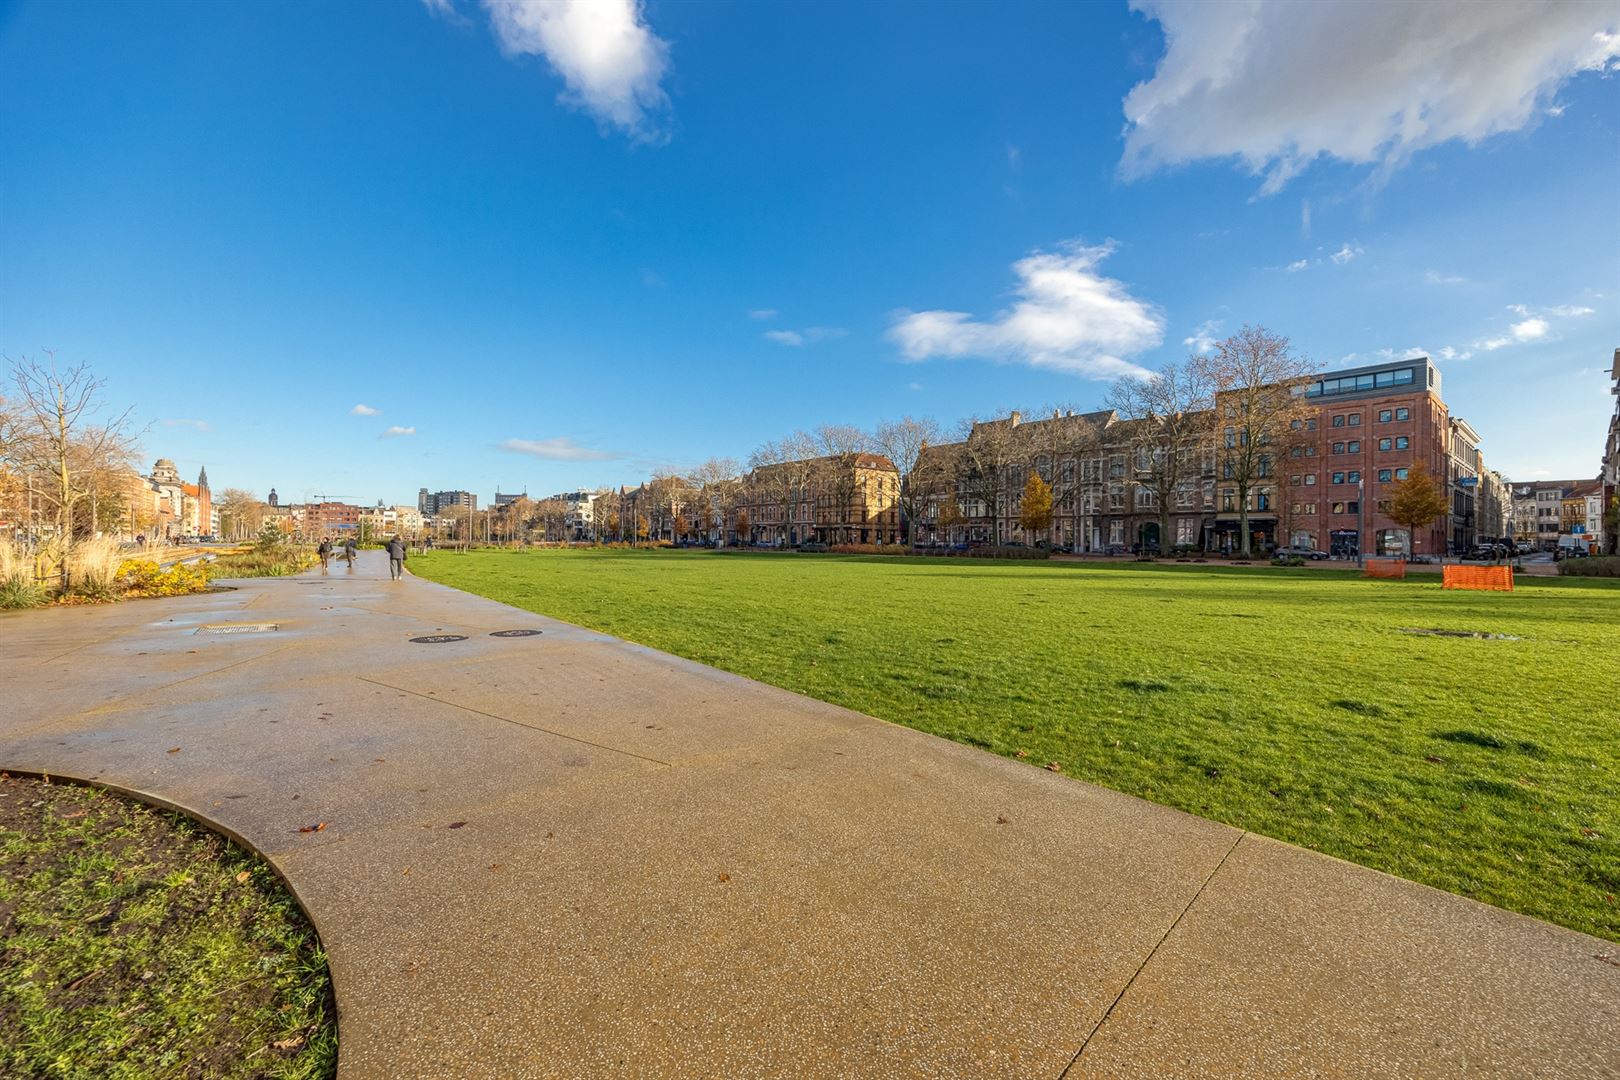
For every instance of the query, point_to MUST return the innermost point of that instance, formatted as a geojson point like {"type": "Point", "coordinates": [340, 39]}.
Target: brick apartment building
{"type": "Point", "coordinates": [831, 500]}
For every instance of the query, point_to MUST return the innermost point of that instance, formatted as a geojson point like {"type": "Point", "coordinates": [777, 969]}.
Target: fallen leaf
{"type": "Point", "coordinates": [243, 876]}
{"type": "Point", "coordinates": [1054, 766]}
{"type": "Point", "coordinates": [1002, 819]}
{"type": "Point", "coordinates": [1434, 759]}
{"type": "Point", "coordinates": [75, 814]}
{"type": "Point", "coordinates": [457, 824]}
{"type": "Point", "coordinates": [405, 871]}
{"type": "Point", "coordinates": [173, 750]}
{"type": "Point", "coordinates": [1020, 753]}
{"type": "Point", "coordinates": [494, 866]}
{"type": "Point", "coordinates": [317, 827]}
{"type": "Point", "coordinates": [289, 1044]}
{"type": "Point", "coordinates": [724, 876]}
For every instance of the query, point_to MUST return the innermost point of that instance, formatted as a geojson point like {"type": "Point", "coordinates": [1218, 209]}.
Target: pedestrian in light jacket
{"type": "Point", "coordinates": [396, 558]}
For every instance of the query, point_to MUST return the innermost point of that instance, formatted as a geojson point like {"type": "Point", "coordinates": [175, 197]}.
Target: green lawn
{"type": "Point", "coordinates": [1288, 702]}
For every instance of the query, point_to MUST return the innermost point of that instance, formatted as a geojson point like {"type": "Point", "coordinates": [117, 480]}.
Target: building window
{"type": "Point", "coordinates": [1385, 444]}
{"type": "Point", "coordinates": [1228, 500]}
{"type": "Point", "coordinates": [1402, 474]}
{"type": "Point", "coordinates": [1296, 507]}
{"type": "Point", "coordinates": [1310, 508]}
{"type": "Point", "coordinates": [1386, 475]}
{"type": "Point", "coordinates": [1354, 507]}
{"type": "Point", "coordinates": [1338, 448]}
{"type": "Point", "coordinates": [1310, 425]}
{"type": "Point", "coordinates": [1293, 480]}
{"type": "Point", "coordinates": [1298, 451]}
{"type": "Point", "coordinates": [1338, 508]}
{"type": "Point", "coordinates": [1355, 419]}
{"type": "Point", "coordinates": [1338, 421]}
{"type": "Point", "coordinates": [1310, 451]}
{"type": "Point", "coordinates": [1355, 476]}
{"type": "Point", "coordinates": [1310, 479]}
{"type": "Point", "coordinates": [1403, 414]}
{"type": "Point", "coordinates": [1354, 446]}
{"type": "Point", "coordinates": [1385, 416]}
{"type": "Point", "coordinates": [1402, 442]}
{"type": "Point", "coordinates": [1338, 478]}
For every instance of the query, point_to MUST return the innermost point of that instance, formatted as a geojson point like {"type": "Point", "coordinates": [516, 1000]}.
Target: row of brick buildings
{"type": "Point", "coordinates": [1364, 430]}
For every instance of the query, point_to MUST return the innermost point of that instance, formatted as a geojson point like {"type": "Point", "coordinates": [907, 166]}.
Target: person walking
{"type": "Point", "coordinates": [325, 552]}
{"type": "Point", "coordinates": [348, 551]}
{"type": "Point", "coordinates": [396, 558]}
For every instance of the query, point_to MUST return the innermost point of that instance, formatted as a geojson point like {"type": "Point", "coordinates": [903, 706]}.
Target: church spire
{"type": "Point", "coordinates": [202, 478]}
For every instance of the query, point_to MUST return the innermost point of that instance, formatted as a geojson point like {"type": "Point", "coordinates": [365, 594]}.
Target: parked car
{"type": "Point", "coordinates": [1300, 553]}
{"type": "Point", "coordinates": [1115, 549]}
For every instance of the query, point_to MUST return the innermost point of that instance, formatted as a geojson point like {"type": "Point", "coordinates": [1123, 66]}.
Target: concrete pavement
{"type": "Point", "coordinates": [565, 855]}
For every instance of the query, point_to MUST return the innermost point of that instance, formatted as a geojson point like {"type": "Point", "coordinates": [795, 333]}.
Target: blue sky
{"type": "Point", "coordinates": [562, 245]}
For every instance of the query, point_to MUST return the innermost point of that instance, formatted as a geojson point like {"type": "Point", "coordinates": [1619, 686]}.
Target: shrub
{"type": "Point", "coordinates": [1287, 560]}
{"type": "Point", "coordinates": [872, 549]}
{"type": "Point", "coordinates": [1599, 566]}
{"type": "Point", "coordinates": [142, 577]}
{"type": "Point", "coordinates": [279, 561]}
{"type": "Point", "coordinates": [1007, 553]}
{"type": "Point", "coordinates": [93, 569]}
{"type": "Point", "coordinates": [18, 586]}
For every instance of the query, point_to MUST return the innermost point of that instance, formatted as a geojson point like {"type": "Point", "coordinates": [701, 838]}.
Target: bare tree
{"type": "Point", "coordinates": [240, 513]}
{"type": "Point", "coordinates": [784, 474]}
{"type": "Point", "coordinates": [62, 445]}
{"type": "Point", "coordinates": [717, 481]}
{"type": "Point", "coordinates": [1168, 417]}
{"type": "Point", "coordinates": [1259, 389]}
{"type": "Point", "coordinates": [838, 450]}
{"type": "Point", "coordinates": [906, 442]}
{"type": "Point", "coordinates": [989, 455]}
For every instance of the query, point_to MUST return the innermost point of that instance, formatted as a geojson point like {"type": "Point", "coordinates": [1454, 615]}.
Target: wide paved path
{"type": "Point", "coordinates": [564, 855]}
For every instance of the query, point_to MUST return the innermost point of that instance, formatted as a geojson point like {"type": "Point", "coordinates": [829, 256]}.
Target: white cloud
{"type": "Point", "coordinates": [561, 448]}
{"type": "Point", "coordinates": [199, 425]}
{"type": "Point", "coordinates": [1066, 317]}
{"type": "Point", "coordinates": [1518, 309]}
{"type": "Point", "coordinates": [1570, 311]}
{"type": "Point", "coordinates": [808, 336]}
{"type": "Point", "coordinates": [1435, 277]}
{"type": "Point", "coordinates": [1345, 254]}
{"type": "Point", "coordinates": [1449, 353]}
{"type": "Point", "coordinates": [914, 386]}
{"type": "Point", "coordinates": [1297, 265]}
{"type": "Point", "coordinates": [610, 60]}
{"type": "Point", "coordinates": [762, 313]}
{"type": "Point", "coordinates": [1277, 84]}
{"type": "Point", "coordinates": [1531, 329]}
{"type": "Point", "coordinates": [1015, 158]}
{"type": "Point", "coordinates": [396, 431]}
{"type": "Point", "coordinates": [364, 410]}
{"type": "Point", "coordinates": [652, 278]}
{"type": "Point", "coordinates": [1305, 219]}
{"type": "Point", "coordinates": [1202, 340]}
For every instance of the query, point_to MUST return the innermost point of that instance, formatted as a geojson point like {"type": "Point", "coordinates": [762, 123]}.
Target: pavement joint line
{"type": "Point", "coordinates": [1149, 958]}
{"type": "Point", "coordinates": [509, 720]}
{"type": "Point", "coordinates": [116, 703]}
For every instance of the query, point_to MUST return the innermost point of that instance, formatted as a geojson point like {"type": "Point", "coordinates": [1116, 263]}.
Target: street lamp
{"type": "Point", "coordinates": [1361, 520]}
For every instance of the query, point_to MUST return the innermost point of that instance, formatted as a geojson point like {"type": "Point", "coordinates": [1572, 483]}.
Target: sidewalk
{"type": "Point", "coordinates": [564, 855]}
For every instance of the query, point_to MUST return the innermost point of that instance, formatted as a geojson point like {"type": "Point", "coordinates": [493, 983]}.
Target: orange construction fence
{"type": "Point", "coordinates": [1386, 568]}
{"type": "Point", "coordinates": [1491, 578]}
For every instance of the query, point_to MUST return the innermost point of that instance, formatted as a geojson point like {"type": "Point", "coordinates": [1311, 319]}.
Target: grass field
{"type": "Point", "coordinates": [1288, 702]}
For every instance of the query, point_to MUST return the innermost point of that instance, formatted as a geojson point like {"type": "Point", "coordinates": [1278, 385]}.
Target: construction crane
{"type": "Point", "coordinates": [329, 498]}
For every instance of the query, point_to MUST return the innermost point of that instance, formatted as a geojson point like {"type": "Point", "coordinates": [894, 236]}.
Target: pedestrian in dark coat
{"type": "Point", "coordinates": [325, 552]}
{"type": "Point", "coordinates": [396, 558]}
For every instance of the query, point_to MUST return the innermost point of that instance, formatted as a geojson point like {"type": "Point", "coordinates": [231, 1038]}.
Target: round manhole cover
{"type": "Point", "coordinates": [516, 633]}
{"type": "Point", "coordinates": [438, 639]}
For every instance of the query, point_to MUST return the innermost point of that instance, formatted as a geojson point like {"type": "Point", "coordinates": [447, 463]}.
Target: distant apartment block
{"type": "Point", "coordinates": [434, 503]}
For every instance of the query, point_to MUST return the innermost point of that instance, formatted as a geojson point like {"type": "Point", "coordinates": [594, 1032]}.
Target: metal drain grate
{"type": "Point", "coordinates": [438, 639]}
{"type": "Point", "coordinates": [238, 628]}
{"type": "Point", "coordinates": [516, 633]}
